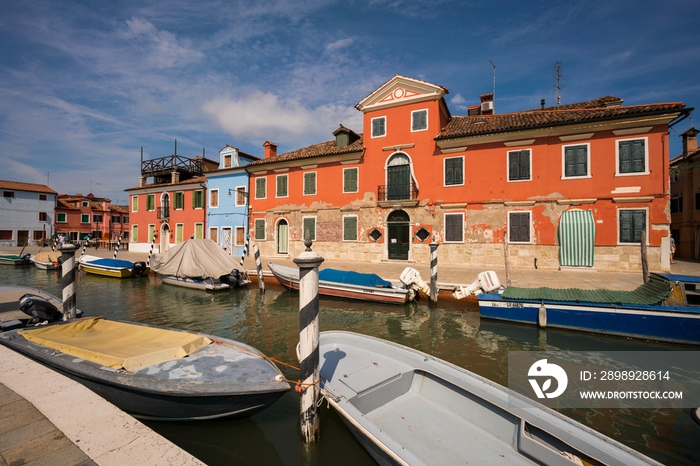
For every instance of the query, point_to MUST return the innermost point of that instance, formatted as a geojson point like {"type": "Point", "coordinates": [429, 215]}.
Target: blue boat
{"type": "Point", "coordinates": [663, 309]}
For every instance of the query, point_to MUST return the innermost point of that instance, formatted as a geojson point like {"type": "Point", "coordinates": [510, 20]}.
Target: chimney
{"type": "Point", "coordinates": [486, 104]}
{"type": "Point", "coordinates": [690, 141]}
{"type": "Point", "coordinates": [542, 103]}
{"type": "Point", "coordinates": [270, 149]}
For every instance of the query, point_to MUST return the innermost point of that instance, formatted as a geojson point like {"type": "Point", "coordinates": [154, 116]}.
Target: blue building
{"type": "Point", "coordinates": [227, 212]}
{"type": "Point", "coordinates": [26, 213]}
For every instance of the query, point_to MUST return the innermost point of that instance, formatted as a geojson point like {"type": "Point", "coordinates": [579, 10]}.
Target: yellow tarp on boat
{"type": "Point", "coordinates": [116, 344]}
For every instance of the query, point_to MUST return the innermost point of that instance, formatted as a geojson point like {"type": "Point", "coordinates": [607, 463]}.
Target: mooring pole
{"type": "Point", "coordinates": [150, 253]}
{"type": "Point", "coordinates": [258, 265]}
{"type": "Point", "coordinates": [245, 249]}
{"type": "Point", "coordinates": [308, 263]}
{"type": "Point", "coordinates": [116, 249]}
{"type": "Point", "coordinates": [505, 255]}
{"type": "Point", "coordinates": [433, 272]}
{"type": "Point", "coordinates": [68, 267]}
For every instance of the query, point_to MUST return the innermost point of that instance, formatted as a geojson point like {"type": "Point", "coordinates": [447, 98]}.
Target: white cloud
{"type": "Point", "coordinates": [457, 99]}
{"type": "Point", "coordinates": [260, 115]}
{"type": "Point", "coordinates": [339, 44]}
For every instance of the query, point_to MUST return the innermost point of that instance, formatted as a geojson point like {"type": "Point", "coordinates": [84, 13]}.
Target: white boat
{"type": "Point", "coordinates": [355, 285]}
{"type": "Point", "coordinates": [47, 260]}
{"type": "Point", "coordinates": [409, 408]}
{"type": "Point", "coordinates": [200, 264]}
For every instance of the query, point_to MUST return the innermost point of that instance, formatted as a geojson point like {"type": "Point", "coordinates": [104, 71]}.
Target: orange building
{"type": "Point", "coordinates": [571, 185]}
{"type": "Point", "coordinates": [80, 217]}
{"type": "Point", "coordinates": [170, 201]}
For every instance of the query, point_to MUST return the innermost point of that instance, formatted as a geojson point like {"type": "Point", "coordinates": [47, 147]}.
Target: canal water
{"type": "Point", "coordinates": [451, 331]}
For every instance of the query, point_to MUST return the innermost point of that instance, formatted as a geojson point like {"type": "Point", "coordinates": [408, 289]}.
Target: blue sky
{"type": "Point", "coordinates": [85, 85]}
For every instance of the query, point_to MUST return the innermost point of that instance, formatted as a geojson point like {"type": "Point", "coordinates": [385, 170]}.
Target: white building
{"type": "Point", "coordinates": [26, 213]}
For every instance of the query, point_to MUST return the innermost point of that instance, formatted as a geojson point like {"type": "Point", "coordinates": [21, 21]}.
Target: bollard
{"type": "Point", "coordinates": [245, 249]}
{"type": "Point", "coordinates": [68, 268]}
{"type": "Point", "coordinates": [308, 262]}
{"type": "Point", "coordinates": [258, 265]}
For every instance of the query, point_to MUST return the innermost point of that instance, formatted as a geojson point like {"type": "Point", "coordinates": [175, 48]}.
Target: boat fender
{"type": "Point", "coordinates": [39, 308]}
{"type": "Point", "coordinates": [542, 316]}
{"type": "Point", "coordinates": [139, 268]}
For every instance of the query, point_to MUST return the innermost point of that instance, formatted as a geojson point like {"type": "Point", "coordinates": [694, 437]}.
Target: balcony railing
{"type": "Point", "coordinates": [163, 213]}
{"type": "Point", "coordinates": [397, 192]}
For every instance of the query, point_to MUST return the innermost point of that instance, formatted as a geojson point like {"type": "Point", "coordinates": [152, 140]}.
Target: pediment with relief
{"type": "Point", "coordinates": [400, 90]}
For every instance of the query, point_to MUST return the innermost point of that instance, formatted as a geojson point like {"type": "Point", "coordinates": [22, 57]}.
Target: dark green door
{"type": "Point", "coordinates": [399, 238]}
{"type": "Point", "coordinates": [399, 183]}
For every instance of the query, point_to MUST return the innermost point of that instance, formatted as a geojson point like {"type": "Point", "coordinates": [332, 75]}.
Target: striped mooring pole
{"type": "Point", "coordinates": [116, 248]}
{"type": "Point", "coordinates": [150, 253]}
{"type": "Point", "coordinates": [258, 266]}
{"type": "Point", "coordinates": [308, 263]}
{"type": "Point", "coordinates": [433, 272]}
{"type": "Point", "coordinates": [245, 249]}
{"type": "Point", "coordinates": [68, 268]}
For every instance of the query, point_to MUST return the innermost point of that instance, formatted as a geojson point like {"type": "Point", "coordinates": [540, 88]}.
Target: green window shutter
{"type": "Point", "coordinates": [199, 231]}
{"type": "Point", "coordinates": [349, 228]}
{"type": "Point", "coordinates": [576, 161]}
{"type": "Point", "coordinates": [453, 171]}
{"type": "Point", "coordinates": [631, 156]}
{"type": "Point", "coordinates": [150, 202]}
{"type": "Point", "coordinates": [135, 204]}
{"type": "Point", "coordinates": [134, 233]}
{"type": "Point", "coordinates": [350, 180]}
{"type": "Point", "coordinates": [632, 223]}
{"type": "Point", "coordinates": [378, 127]}
{"type": "Point", "coordinates": [454, 228]}
{"type": "Point", "coordinates": [260, 185]}
{"type": "Point", "coordinates": [420, 120]}
{"type": "Point", "coordinates": [310, 226]}
{"type": "Point", "coordinates": [259, 229]}
{"type": "Point", "coordinates": [519, 165]}
{"type": "Point", "coordinates": [519, 227]}
{"type": "Point", "coordinates": [309, 183]}
{"type": "Point", "coordinates": [282, 186]}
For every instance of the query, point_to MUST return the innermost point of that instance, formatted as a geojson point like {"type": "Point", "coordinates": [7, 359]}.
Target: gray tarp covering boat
{"type": "Point", "coordinates": [198, 261]}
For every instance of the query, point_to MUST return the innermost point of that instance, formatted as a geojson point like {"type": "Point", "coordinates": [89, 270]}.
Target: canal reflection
{"type": "Point", "coordinates": [270, 322]}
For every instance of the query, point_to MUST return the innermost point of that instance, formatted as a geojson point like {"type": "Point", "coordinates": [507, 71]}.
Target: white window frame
{"type": "Point", "coordinates": [152, 230]}
{"type": "Point", "coordinates": [174, 196]}
{"type": "Point", "coordinates": [303, 233]}
{"type": "Point", "coordinates": [216, 229]}
{"type": "Point", "coordinates": [277, 180]}
{"type": "Point", "coordinates": [195, 230]}
{"type": "Point", "coordinates": [134, 201]}
{"type": "Point", "coordinates": [303, 187]}
{"type": "Point", "coordinates": [236, 194]}
{"type": "Point", "coordinates": [371, 127]}
{"type": "Point", "coordinates": [227, 158]}
{"type": "Point", "coordinates": [82, 218]}
{"type": "Point", "coordinates": [563, 162]}
{"type": "Point", "coordinates": [444, 223]}
{"type": "Point", "coordinates": [65, 217]}
{"type": "Point", "coordinates": [427, 122]}
{"type": "Point", "coordinates": [508, 165]}
{"type": "Point", "coordinates": [532, 235]}
{"type": "Point", "coordinates": [181, 227]}
{"type": "Point", "coordinates": [211, 205]}
{"type": "Point", "coordinates": [357, 169]}
{"type": "Point", "coordinates": [134, 233]}
{"type": "Point", "coordinates": [357, 228]}
{"type": "Point", "coordinates": [444, 172]}
{"type": "Point", "coordinates": [646, 158]}
{"type": "Point", "coordinates": [264, 178]}
{"type": "Point", "coordinates": [255, 229]}
{"type": "Point", "coordinates": [646, 224]}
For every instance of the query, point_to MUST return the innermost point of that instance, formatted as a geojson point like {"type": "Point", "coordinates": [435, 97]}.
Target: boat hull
{"type": "Point", "coordinates": [91, 265]}
{"type": "Point", "coordinates": [13, 260]}
{"type": "Point", "coordinates": [407, 407]}
{"type": "Point", "coordinates": [662, 323]}
{"type": "Point", "coordinates": [207, 284]}
{"type": "Point", "coordinates": [47, 265]}
{"type": "Point", "coordinates": [341, 290]}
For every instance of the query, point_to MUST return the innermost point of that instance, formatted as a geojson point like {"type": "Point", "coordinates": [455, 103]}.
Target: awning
{"type": "Point", "coordinates": [576, 238]}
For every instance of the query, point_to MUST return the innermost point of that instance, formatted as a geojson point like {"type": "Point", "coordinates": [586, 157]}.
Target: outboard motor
{"type": "Point", "coordinates": [139, 268]}
{"type": "Point", "coordinates": [486, 282]}
{"type": "Point", "coordinates": [411, 278]}
{"type": "Point", "coordinates": [39, 309]}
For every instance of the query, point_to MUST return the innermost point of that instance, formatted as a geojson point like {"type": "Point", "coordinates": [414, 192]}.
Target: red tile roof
{"type": "Point", "coordinates": [31, 187]}
{"type": "Point", "coordinates": [594, 110]}
{"type": "Point", "coordinates": [316, 150]}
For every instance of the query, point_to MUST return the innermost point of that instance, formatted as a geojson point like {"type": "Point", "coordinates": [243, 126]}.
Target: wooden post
{"type": "Point", "coordinates": [308, 263]}
{"type": "Point", "coordinates": [505, 254]}
{"type": "Point", "coordinates": [258, 265]}
{"type": "Point", "coordinates": [433, 272]}
{"type": "Point", "coordinates": [68, 268]}
{"type": "Point", "coordinates": [645, 264]}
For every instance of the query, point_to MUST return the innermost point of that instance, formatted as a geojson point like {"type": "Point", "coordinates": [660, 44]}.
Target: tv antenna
{"type": "Point", "coordinates": [558, 87]}
{"type": "Point", "coordinates": [494, 81]}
